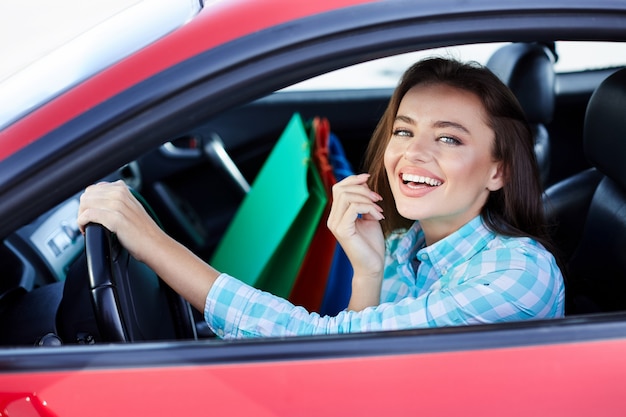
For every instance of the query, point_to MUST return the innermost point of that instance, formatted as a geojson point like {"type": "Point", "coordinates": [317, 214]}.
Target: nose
{"type": "Point", "coordinates": [419, 148]}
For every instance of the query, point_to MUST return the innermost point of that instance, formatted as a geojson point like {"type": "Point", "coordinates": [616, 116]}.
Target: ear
{"type": "Point", "coordinates": [497, 177]}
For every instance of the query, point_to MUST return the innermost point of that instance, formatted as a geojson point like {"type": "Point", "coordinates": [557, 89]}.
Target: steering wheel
{"type": "Point", "coordinates": [130, 302]}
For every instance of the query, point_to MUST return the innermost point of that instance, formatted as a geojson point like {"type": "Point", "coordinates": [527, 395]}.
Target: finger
{"type": "Point", "coordinates": [358, 210]}
{"type": "Point", "coordinates": [107, 204]}
{"type": "Point", "coordinates": [347, 192]}
{"type": "Point", "coordinates": [347, 203]}
{"type": "Point", "coordinates": [105, 217]}
{"type": "Point", "coordinates": [355, 184]}
{"type": "Point", "coordinates": [355, 179]}
{"type": "Point", "coordinates": [344, 224]}
{"type": "Point", "coordinates": [352, 196]}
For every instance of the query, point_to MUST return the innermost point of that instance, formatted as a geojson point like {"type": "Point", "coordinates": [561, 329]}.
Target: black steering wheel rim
{"type": "Point", "coordinates": [130, 302]}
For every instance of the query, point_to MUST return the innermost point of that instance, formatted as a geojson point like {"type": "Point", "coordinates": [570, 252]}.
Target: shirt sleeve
{"type": "Point", "coordinates": [526, 289]}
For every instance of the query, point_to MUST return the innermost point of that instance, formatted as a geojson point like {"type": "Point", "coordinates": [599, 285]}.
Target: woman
{"type": "Point", "coordinates": [446, 228]}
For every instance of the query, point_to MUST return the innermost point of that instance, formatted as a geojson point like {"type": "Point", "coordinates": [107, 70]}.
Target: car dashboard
{"type": "Point", "coordinates": [53, 239]}
{"type": "Point", "coordinates": [35, 261]}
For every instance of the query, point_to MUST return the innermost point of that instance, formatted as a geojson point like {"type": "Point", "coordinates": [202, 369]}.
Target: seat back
{"type": "Point", "coordinates": [590, 207]}
{"type": "Point", "coordinates": [528, 70]}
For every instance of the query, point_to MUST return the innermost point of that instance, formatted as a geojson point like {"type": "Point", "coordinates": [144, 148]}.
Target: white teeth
{"type": "Point", "coordinates": [419, 179]}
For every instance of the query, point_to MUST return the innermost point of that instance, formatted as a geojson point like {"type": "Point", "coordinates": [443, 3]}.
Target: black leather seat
{"type": "Point", "coordinates": [589, 209]}
{"type": "Point", "coordinates": [528, 70]}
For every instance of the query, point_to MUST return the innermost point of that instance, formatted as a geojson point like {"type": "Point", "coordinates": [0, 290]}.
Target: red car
{"type": "Point", "coordinates": [188, 120]}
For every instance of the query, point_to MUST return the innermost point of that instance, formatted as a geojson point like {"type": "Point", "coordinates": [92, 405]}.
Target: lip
{"type": "Point", "coordinates": [420, 190]}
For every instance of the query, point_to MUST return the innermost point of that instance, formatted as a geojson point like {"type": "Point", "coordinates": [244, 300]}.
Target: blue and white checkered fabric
{"type": "Point", "coordinates": [472, 276]}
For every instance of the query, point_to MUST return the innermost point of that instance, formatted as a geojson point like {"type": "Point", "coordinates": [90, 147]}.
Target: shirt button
{"type": "Point", "coordinates": [424, 257]}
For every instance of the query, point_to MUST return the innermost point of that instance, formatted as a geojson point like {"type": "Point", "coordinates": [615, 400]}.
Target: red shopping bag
{"type": "Point", "coordinates": [310, 284]}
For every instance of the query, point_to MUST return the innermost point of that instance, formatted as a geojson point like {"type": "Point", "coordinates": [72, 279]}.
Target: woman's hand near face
{"type": "Point", "coordinates": [354, 221]}
{"type": "Point", "coordinates": [113, 206]}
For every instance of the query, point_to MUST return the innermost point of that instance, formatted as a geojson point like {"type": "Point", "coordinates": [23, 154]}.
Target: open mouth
{"type": "Point", "coordinates": [418, 180]}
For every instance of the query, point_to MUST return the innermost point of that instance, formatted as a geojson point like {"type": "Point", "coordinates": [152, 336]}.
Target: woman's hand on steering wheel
{"type": "Point", "coordinates": [113, 206]}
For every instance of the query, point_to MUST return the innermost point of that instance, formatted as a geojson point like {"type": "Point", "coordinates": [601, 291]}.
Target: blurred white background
{"type": "Point", "coordinates": [30, 29]}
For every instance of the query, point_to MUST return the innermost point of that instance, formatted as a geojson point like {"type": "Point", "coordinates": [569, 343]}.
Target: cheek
{"type": "Point", "coordinates": [472, 171]}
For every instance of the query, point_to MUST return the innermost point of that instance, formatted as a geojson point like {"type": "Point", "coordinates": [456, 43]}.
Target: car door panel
{"type": "Point", "coordinates": [396, 373]}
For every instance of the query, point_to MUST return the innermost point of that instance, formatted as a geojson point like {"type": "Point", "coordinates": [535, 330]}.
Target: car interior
{"type": "Point", "coordinates": [55, 292]}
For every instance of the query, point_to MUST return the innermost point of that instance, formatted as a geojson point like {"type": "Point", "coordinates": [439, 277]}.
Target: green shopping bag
{"type": "Point", "coordinates": [268, 238]}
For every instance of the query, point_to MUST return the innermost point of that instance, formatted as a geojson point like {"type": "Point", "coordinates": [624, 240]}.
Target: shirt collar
{"type": "Point", "coordinates": [443, 255]}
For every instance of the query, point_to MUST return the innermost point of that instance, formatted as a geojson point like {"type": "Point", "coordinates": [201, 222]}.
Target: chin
{"type": "Point", "coordinates": [410, 213]}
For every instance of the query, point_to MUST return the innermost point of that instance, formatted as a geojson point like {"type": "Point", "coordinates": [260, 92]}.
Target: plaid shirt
{"type": "Point", "coordinates": [472, 276]}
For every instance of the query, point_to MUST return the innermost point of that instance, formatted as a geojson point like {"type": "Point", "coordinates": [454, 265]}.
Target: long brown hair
{"type": "Point", "coordinates": [515, 209]}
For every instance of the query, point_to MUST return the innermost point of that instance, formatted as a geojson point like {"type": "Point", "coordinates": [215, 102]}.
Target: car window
{"type": "Point", "coordinates": [385, 72]}
{"type": "Point", "coordinates": [579, 56]}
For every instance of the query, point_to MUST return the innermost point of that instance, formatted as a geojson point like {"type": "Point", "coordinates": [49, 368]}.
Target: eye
{"type": "Point", "coordinates": [449, 140]}
{"type": "Point", "coordinates": [402, 132]}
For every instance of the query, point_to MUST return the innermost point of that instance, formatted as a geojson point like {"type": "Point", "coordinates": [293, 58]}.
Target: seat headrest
{"type": "Point", "coordinates": [528, 70]}
{"type": "Point", "coordinates": [605, 127]}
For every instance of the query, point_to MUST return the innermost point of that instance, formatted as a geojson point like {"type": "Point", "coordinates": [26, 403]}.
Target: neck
{"type": "Point", "coordinates": [437, 229]}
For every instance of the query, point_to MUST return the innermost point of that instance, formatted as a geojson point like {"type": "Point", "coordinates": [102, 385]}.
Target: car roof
{"type": "Point", "coordinates": [80, 40]}
{"type": "Point", "coordinates": [218, 22]}
{"type": "Point", "coordinates": [223, 21]}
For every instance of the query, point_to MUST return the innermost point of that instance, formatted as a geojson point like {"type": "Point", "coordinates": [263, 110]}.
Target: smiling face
{"type": "Point", "coordinates": [439, 158]}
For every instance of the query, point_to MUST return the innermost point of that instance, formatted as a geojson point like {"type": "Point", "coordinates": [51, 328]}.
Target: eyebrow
{"type": "Point", "coordinates": [454, 125]}
{"type": "Point", "coordinates": [439, 123]}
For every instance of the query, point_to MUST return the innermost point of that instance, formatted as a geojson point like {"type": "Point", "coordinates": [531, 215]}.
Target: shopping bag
{"type": "Point", "coordinates": [309, 287]}
{"type": "Point", "coordinates": [339, 284]}
{"type": "Point", "coordinates": [266, 242]}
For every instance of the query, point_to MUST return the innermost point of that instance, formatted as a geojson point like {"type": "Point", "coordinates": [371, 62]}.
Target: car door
{"type": "Point", "coordinates": [157, 131]}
